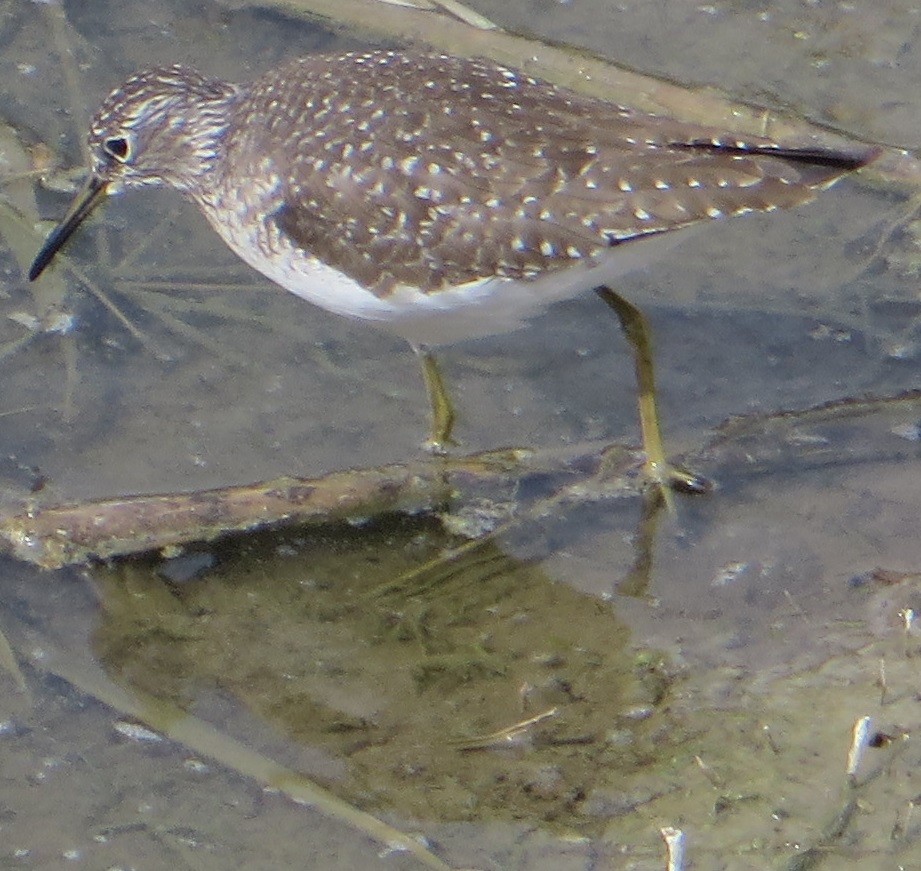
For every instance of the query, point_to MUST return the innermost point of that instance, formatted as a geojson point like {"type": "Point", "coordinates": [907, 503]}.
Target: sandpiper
{"type": "Point", "coordinates": [439, 198]}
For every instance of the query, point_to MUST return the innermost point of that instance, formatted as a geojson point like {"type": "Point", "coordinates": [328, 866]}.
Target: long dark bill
{"type": "Point", "coordinates": [93, 191]}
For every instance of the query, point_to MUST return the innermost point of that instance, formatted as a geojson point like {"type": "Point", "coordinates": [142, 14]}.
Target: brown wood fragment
{"type": "Point", "coordinates": [61, 535]}
{"type": "Point", "coordinates": [55, 536]}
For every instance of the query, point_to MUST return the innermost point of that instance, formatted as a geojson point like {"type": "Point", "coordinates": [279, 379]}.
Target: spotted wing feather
{"type": "Point", "coordinates": [434, 171]}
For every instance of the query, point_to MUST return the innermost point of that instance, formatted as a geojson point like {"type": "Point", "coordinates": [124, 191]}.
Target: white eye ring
{"type": "Point", "coordinates": [118, 148]}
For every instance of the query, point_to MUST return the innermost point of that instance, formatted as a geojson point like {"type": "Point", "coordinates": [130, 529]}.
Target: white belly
{"type": "Point", "coordinates": [484, 307]}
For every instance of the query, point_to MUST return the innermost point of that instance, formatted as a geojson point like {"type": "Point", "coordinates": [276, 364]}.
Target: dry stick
{"type": "Point", "coordinates": [56, 536]}
{"type": "Point", "coordinates": [52, 537]}
{"type": "Point", "coordinates": [67, 534]}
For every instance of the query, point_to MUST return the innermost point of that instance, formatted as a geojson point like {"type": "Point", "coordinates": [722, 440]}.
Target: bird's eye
{"type": "Point", "coordinates": [117, 147]}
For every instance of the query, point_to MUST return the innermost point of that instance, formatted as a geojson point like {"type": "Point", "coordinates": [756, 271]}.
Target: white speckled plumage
{"type": "Point", "coordinates": [404, 188]}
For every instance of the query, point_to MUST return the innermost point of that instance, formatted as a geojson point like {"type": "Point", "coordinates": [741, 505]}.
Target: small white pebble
{"type": "Point", "coordinates": [674, 844]}
{"type": "Point", "coordinates": [909, 431]}
{"type": "Point", "coordinates": [860, 738]}
{"type": "Point", "coordinates": [136, 732]}
{"type": "Point", "coordinates": [196, 766]}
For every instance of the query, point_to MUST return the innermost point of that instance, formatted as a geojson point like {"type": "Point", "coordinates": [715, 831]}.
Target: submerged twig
{"type": "Point", "coordinates": [205, 740]}
{"type": "Point", "coordinates": [507, 736]}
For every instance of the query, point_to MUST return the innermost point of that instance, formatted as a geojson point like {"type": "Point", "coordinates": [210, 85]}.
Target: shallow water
{"type": "Point", "coordinates": [751, 616]}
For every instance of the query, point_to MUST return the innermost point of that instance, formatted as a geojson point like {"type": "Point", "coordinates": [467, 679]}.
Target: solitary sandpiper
{"type": "Point", "coordinates": [440, 198]}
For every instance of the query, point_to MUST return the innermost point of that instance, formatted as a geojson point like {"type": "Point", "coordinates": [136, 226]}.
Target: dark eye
{"type": "Point", "coordinates": [117, 147]}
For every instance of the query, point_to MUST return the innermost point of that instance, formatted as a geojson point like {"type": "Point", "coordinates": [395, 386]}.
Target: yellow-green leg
{"type": "Point", "coordinates": [658, 468]}
{"type": "Point", "coordinates": [439, 401]}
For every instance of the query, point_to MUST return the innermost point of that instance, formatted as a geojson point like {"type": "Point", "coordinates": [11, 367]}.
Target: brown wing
{"type": "Point", "coordinates": [433, 171]}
